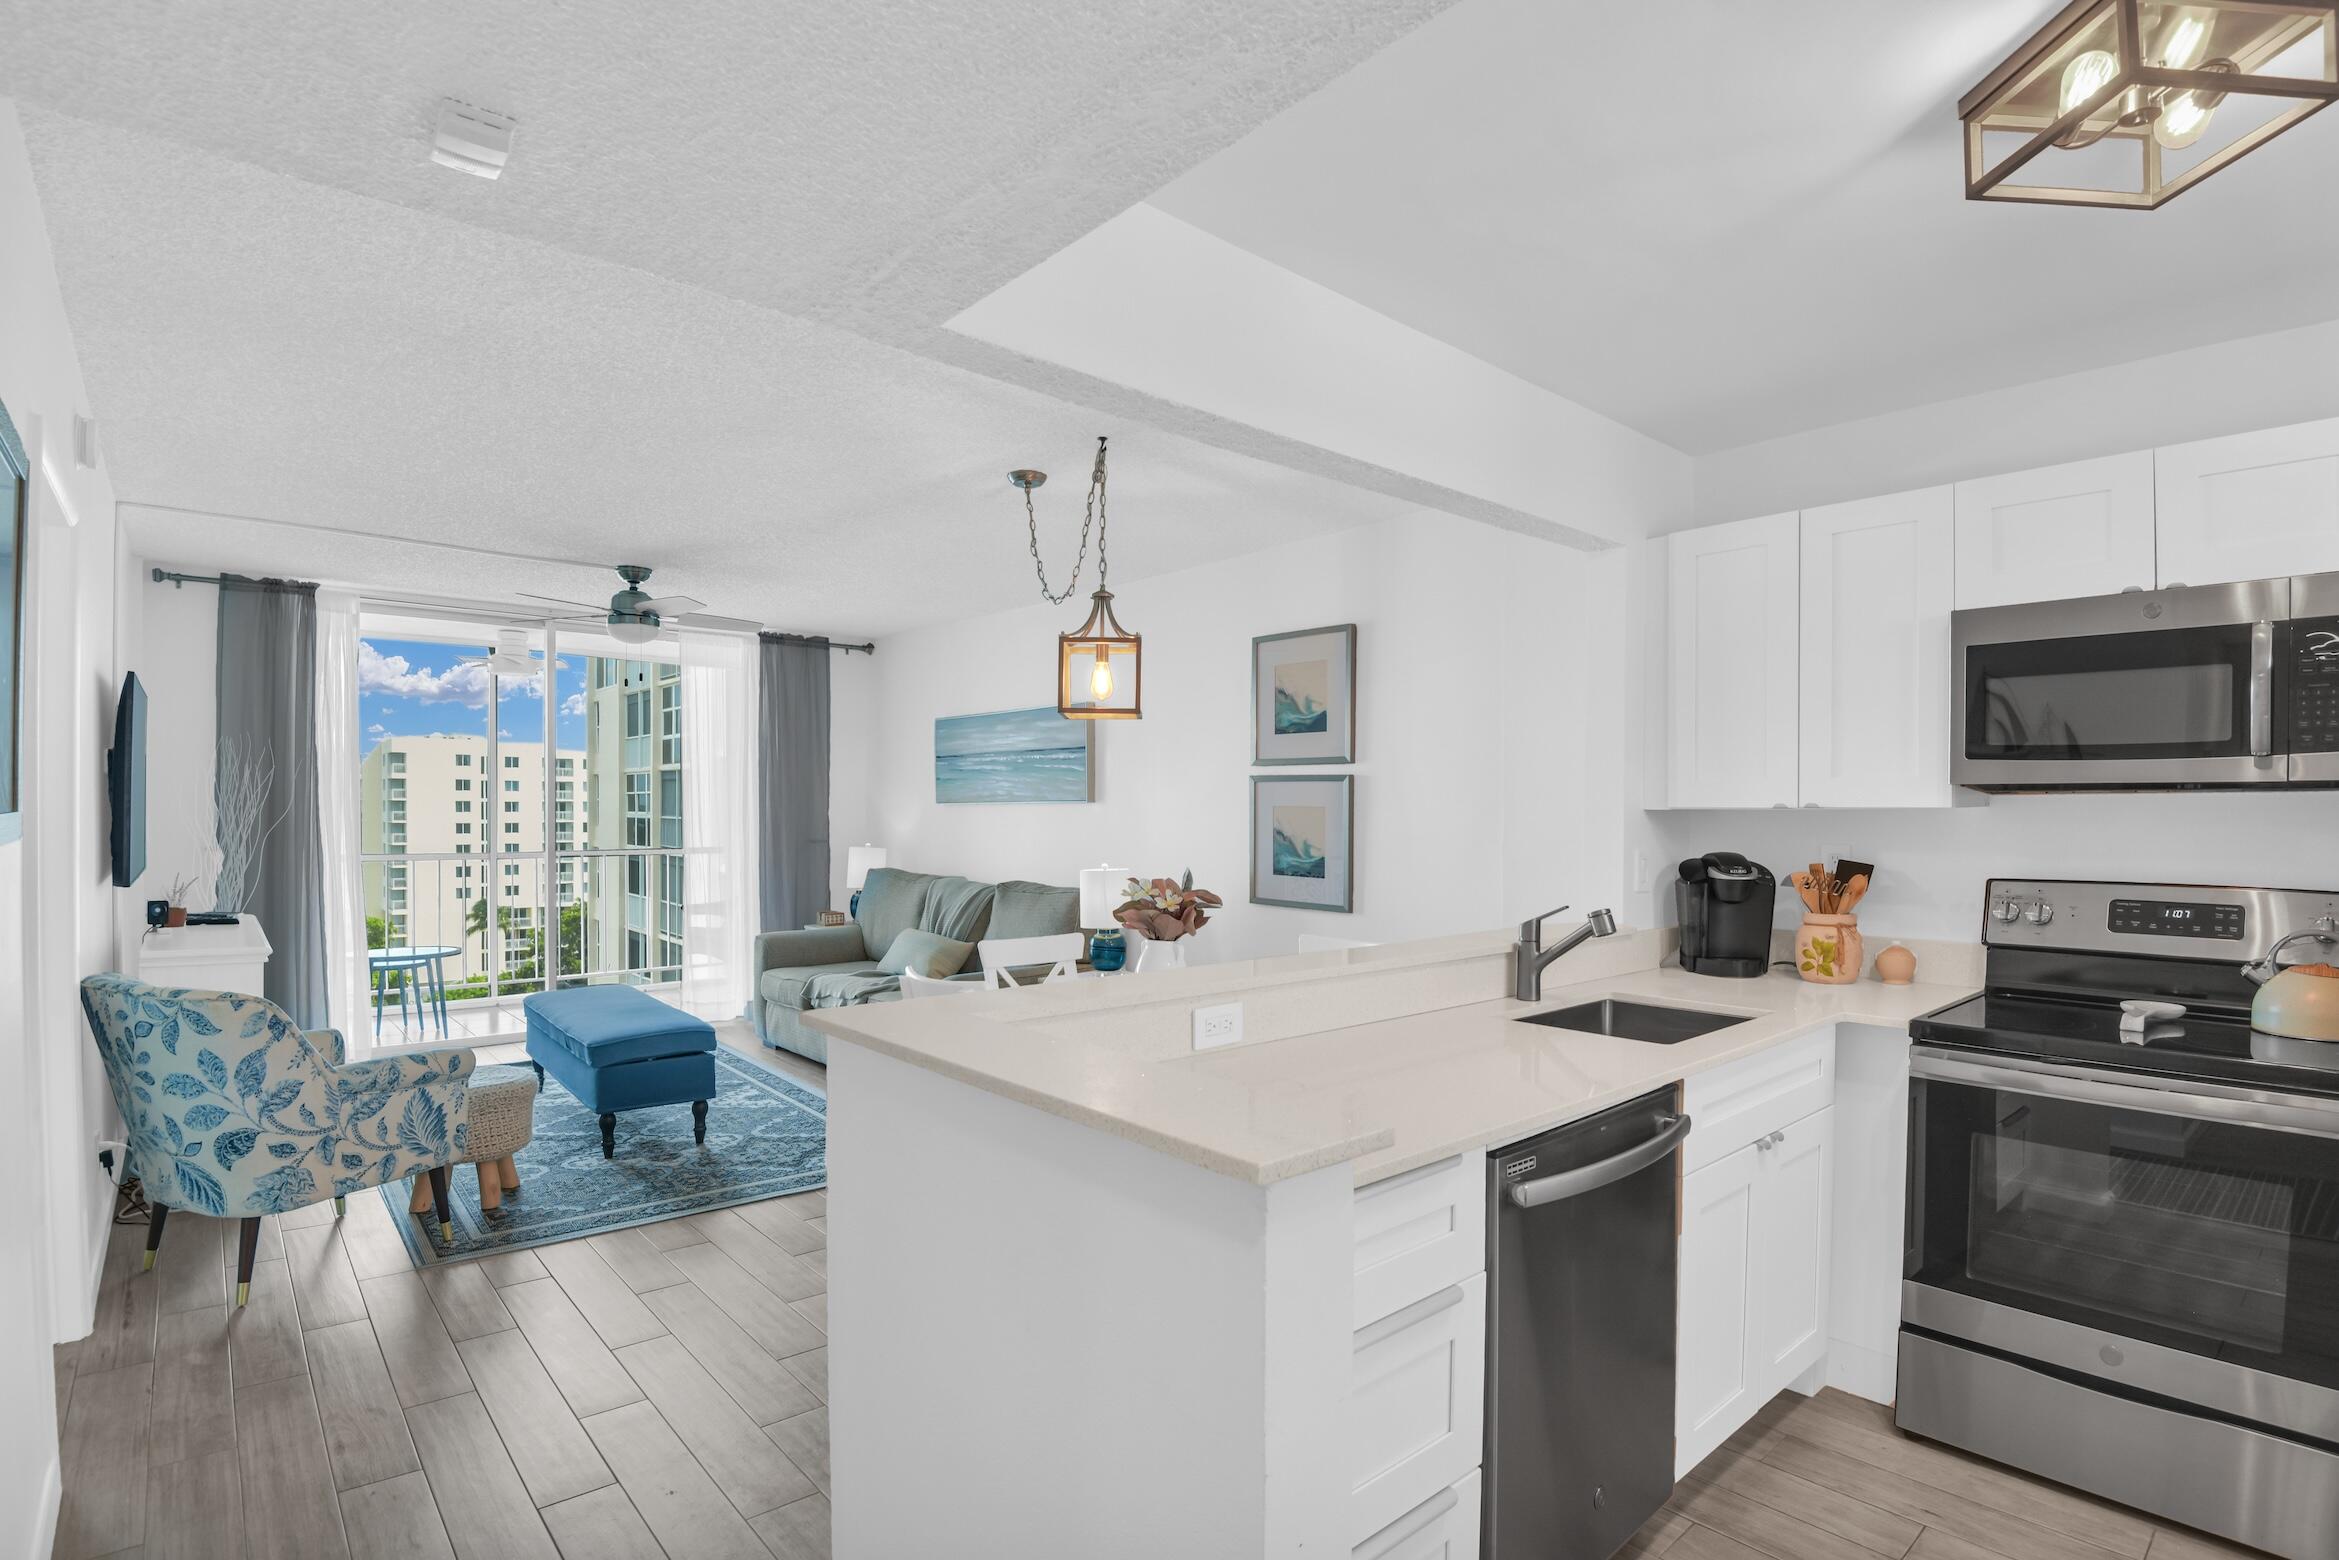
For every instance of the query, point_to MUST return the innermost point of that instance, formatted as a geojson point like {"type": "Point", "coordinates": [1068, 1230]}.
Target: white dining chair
{"type": "Point", "coordinates": [915, 986]}
{"type": "Point", "coordinates": [1001, 955]}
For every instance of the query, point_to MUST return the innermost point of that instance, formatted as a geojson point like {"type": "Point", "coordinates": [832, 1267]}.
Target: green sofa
{"type": "Point", "coordinates": [836, 966]}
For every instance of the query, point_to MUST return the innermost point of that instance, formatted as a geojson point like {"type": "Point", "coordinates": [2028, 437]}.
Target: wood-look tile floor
{"type": "Point", "coordinates": [1830, 1478]}
{"type": "Point", "coordinates": [653, 1392]}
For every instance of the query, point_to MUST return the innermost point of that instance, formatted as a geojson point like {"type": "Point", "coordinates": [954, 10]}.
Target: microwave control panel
{"type": "Point", "coordinates": [2314, 685]}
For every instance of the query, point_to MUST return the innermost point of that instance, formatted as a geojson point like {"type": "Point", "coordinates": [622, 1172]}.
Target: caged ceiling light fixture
{"type": "Point", "coordinates": [2130, 103]}
{"type": "Point", "coordinates": [1100, 669]}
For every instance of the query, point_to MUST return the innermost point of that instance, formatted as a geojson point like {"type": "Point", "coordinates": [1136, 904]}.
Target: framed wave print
{"type": "Point", "coordinates": [1303, 841]}
{"type": "Point", "coordinates": [1303, 697]}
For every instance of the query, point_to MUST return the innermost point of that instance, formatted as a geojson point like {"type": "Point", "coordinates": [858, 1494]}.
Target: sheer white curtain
{"type": "Point", "coordinates": [337, 761]}
{"type": "Point", "coordinates": [718, 821]}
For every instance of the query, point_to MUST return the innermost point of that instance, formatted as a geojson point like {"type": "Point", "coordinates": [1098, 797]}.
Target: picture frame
{"type": "Point", "coordinates": [1032, 758]}
{"type": "Point", "coordinates": [1303, 842]}
{"type": "Point", "coordinates": [1303, 696]}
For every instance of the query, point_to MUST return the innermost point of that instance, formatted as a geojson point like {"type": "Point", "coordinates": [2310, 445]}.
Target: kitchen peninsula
{"type": "Point", "coordinates": [1095, 1291]}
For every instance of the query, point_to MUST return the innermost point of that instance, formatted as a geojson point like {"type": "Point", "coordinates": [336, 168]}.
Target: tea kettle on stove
{"type": "Point", "coordinates": [2300, 1001]}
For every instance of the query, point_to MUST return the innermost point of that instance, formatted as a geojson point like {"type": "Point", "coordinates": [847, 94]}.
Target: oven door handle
{"type": "Point", "coordinates": [2261, 690]}
{"type": "Point", "coordinates": [2194, 1100]}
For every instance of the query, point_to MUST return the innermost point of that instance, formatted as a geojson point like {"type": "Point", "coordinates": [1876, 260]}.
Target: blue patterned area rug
{"type": "Point", "coordinates": [767, 1136]}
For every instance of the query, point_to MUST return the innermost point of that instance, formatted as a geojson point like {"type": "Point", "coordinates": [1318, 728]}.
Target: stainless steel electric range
{"type": "Point", "coordinates": [2123, 1229]}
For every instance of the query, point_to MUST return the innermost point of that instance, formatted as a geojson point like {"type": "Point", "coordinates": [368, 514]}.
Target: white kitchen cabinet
{"type": "Point", "coordinates": [2250, 506]}
{"type": "Point", "coordinates": [1732, 645]}
{"type": "Point", "coordinates": [1874, 669]}
{"type": "Point", "coordinates": [1417, 1404]}
{"type": "Point", "coordinates": [1418, 1233]}
{"type": "Point", "coordinates": [2081, 529]}
{"type": "Point", "coordinates": [1754, 1280]}
{"type": "Point", "coordinates": [1443, 1527]}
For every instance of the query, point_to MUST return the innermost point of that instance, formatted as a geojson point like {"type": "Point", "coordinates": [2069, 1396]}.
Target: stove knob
{"type": "Point", "coordinates": [2006, 910]}
{"type": "Point", "coordinates": [2039, 914]}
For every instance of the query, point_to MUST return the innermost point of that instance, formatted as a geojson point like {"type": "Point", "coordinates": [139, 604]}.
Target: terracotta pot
{"type": "Point", "coordinates": [1896, 966]}
{"type": "Point", "coordinates": [175, 916]}
{"type": "Point", "coordinates": [1828, 950]}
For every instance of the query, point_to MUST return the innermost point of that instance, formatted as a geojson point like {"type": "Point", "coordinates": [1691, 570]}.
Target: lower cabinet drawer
{"type": "Point", "coordinates": [1418, 1233]}
{"type": "Point", "coordinates": [1740, 1101]}
{"type": "Point", "coordinates": [1443, 1527]}
{"type": "Point", "coordinates": [1417, 1404]}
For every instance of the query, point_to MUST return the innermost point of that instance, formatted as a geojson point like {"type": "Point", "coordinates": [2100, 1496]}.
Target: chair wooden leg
{"type": "Point", "coordinates": [509, 1173]}
{"type": "Point", "coordinates": [247, 1247]}
{"type": "Point", "coordinates": [491, 1186]}
{"type": "Point", "coordinates": [421, 1195]}
{"type": "Point", "coordinates": [155, 1214]}
{"type": "Point", "coordinates": [438, 1197]}
{"type": "Point", "coordinates": [340, 1206]}
{"type": "Point", "coordinates": [698, 1122]}
{"type": "Point", "coordinates": [608, 1134]}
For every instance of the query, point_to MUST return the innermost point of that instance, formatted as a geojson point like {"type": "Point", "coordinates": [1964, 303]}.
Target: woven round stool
{"type": "Point", "coordinates": [502, 1112]}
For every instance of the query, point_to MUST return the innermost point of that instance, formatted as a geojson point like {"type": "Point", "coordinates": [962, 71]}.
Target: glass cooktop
{"type": "Point", "coordinates": [2212, 1045]}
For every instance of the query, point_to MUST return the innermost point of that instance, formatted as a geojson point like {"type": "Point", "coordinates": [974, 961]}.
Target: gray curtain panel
{"type": "Point", "coordinates": [268, 707]}
{"type": "Point", "coordinates": [792, 718]}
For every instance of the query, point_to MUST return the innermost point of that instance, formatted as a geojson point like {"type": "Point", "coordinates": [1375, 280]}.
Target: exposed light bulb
{"type": "Point", "coordinates": [1100, 679]}
{"type": "Point", "coordinates": [2181, 121]}
{"type": "Point", "coordinates": [2087, 75]}
{"type": "Point", "coordinates": [2186, 40]}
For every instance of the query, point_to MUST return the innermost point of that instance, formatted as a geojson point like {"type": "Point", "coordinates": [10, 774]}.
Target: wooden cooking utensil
{"type": "Point", "coordinates": [1854, 891]}
{"type": "Point", "coordinates": [1804, 887]}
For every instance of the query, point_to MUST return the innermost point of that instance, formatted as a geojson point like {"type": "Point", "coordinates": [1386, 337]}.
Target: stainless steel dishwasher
{"type": "Point", "coordinates": [1582, 1264]}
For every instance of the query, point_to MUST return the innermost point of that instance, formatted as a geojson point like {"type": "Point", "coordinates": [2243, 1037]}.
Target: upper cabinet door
{"type": "Point", "coordinates": [1875, 655]}
{"type": "Point", "coordinates": [1730, 664]}
{"type": "Point", "coordinates": [2084, 529]}
{"type": "Point", "coordinates": [2250, 507]}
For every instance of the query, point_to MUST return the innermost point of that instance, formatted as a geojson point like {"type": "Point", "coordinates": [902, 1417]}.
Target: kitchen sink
{"type": "Point", "coordinates": [1644, 1021]}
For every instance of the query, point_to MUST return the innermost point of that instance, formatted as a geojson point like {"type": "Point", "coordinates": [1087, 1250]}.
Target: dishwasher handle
{"type": "Point", "coordinates": [1590, 1178]}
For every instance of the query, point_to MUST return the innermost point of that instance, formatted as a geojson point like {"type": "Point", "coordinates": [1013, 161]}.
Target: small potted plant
{"type": "Point", "coordinates": [181, 887]}
{"type": "Point", "coordinates": [1163, 912]}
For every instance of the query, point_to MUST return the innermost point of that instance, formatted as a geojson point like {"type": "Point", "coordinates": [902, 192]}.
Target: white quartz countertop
{"type": "Point", "coordinates": [1384, 1096]}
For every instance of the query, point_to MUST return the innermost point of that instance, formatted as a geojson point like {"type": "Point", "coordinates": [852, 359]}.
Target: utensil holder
{"type": "Point", "coordinates": [1828, 949]}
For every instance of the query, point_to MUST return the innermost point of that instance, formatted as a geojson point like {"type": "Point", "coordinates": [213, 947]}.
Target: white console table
{"type": "Point", "coordinates": [207, 958]}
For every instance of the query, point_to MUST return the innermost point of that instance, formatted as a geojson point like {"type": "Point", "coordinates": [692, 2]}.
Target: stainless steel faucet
{"type": "Point", "coordinates": [1529, 956]}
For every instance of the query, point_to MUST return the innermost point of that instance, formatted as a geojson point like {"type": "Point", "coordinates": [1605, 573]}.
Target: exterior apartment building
{"type": "Point", "coordinates": [438, 795]}
{"type": "Point", "coordinates": [633, 802]}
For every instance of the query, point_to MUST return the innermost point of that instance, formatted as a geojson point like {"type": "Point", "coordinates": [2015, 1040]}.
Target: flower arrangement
{"type": "Point", "coordinates": [1166, 909]}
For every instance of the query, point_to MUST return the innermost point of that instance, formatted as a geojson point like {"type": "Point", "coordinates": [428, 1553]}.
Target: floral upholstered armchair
{"type": "Point", "coordinates": [230, 1110]}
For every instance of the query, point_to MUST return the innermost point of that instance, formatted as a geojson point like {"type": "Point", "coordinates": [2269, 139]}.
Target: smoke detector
{"type": "Point", "coordinates": [471, 140]}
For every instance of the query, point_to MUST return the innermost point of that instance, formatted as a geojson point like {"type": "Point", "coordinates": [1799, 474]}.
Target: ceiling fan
{"type": "Point", "coordinates": [635, 617]}
{"type": "Point", "coordinates": [511, 656]}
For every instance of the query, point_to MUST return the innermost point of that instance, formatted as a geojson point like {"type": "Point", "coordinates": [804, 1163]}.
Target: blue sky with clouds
{"type": "Point", "coordinates": [409, 688]}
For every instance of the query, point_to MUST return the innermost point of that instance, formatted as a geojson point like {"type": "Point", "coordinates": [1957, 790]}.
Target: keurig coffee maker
{"type": "Point", "coordinates": [1726, 904]}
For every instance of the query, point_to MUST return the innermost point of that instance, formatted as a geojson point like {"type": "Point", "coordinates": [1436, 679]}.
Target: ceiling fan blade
{"type": "Point", "coordinates": [563, 601]}
{"type": "Point", "coordinates": [672, 606]}
{"type": "Point", "coordinates": [709, 620]}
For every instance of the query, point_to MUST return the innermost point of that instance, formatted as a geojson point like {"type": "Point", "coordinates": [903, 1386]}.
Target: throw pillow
{"type": "Point", "coordinates": [931, 954]}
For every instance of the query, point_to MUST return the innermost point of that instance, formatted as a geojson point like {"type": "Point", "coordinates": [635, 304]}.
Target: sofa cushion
{"type": "Point", "coordinates": [958, 908]}
{"type": "Point", "coordinates": [1034, 910]}
{"type": "Point", "coordinates": [891, 902]}
{"type": "Point", "coordinates": [929, 953]}
{"type": "Point", "coordinates": [793, 988]}
{"type": "Point", "coordinates": [604, 1025]}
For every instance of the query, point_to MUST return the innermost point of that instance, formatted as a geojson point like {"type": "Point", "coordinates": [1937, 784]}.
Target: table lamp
{"type": "Point", "coordinates": [859, 860]}
{"type": "Point", "coordinates": [1103, 890]}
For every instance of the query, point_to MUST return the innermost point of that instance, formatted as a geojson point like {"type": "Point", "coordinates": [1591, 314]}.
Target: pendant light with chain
{"type": "Point", "coordinates": [1100, 669]}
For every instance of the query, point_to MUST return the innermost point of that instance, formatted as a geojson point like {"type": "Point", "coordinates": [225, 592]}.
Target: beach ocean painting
{"type": "Point", "coordinates": [1303, 697]}
{"type": "Point", "coordinates": [1299, 842]}
{"type": "Point", "coordinates": [1026, 757]}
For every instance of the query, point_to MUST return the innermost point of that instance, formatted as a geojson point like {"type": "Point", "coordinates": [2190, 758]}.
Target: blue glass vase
{"type": "Point", "coordinates": [1107, 951]}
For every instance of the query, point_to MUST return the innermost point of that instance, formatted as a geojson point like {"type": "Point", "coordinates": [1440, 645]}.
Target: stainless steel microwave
{"type": "Point", "coordinates": [2200, 687]}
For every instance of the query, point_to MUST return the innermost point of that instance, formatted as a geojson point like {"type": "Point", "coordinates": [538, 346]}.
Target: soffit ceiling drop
{"type": "Point", "coordinates": [658, 335]}
{"type": "Point", "coordinates": [1719, 223]}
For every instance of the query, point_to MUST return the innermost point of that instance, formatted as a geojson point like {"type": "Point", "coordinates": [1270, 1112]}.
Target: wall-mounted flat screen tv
{"type": "Point", "coordinates": [126, 783]}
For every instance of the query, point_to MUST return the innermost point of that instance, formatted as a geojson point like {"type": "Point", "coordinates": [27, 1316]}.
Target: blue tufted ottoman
{"type": "Point", "coordinates": [615, 1048]}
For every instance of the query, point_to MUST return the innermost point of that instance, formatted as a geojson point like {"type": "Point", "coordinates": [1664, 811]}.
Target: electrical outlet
{"type": "Point", "coordinates": [1217, 1026]}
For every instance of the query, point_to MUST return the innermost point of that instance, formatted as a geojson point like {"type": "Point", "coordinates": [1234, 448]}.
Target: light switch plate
{"type": "Point", "coordinates": [1217, 1026]}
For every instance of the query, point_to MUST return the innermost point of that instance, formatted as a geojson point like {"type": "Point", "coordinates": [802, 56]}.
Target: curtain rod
{"type": "Point", "coordinates": [181, 581]}
{"type": "Point", "coordinates": [818, 639]}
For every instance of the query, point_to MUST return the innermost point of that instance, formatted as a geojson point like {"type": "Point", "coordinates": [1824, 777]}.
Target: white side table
{"type": "Point", "coordinates": [207, 958]}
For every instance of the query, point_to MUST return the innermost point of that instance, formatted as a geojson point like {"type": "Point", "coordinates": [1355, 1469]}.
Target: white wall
{"type": "Point", "coordinates": [1932, 865]}
{"type": "Point", "coordinates": [172, 643]}
{"type": "Point", "coordinates": [1488, 732]}
{"type": "Point", "coordinates": [2231, 387]}
{"type": "Point", "coordinates": [51, 881]}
